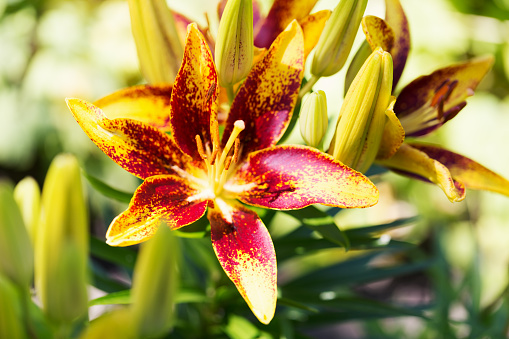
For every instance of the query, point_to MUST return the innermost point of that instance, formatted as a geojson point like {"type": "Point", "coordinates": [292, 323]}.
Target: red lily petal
{"type": "Point", "coordinates": [280, 15]}
{"type": "Point", "coordinates": [430, 101]}
{"type": "Point", "coordinates": [139, 148]}
{"type": "Point", "coordinates": [414, 163]}
{"type": "Point", "coordinates": [267, 97]}
{"type": "Point", "coordinates": [291, 177]}
{"type": "Point", "coordinates": [148, 104]}
{"type": "Point", "coordinates": [194, 98]}
{"type": "Point", "coordinates": [469, 172]}
{"type": "Point", "coordinates": [165, 198]}
{"type": "Point", "coordinates": [244, 248]}
{"type": "Point", "coordinates": [396, 18]}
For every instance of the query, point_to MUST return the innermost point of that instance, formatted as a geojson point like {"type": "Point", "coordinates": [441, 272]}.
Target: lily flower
{"type": "Point", "coordinates": [196, 171]}
{"type": "Point", "coordinates": [424, 105]}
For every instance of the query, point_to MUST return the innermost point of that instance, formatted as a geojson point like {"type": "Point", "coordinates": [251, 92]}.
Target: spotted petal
{"type": "Point", "coordinates": [280, 15]}
{"type": "Point", "coordinates": [148, 104]}
{"type": "Point", "coordinates": [140, 149]}
{"type": "Point", "coordinates": [469, 172]}
{"type": "Point", "coordinates": [267, 97]}
{"type": "Point", "coordinates": [412, 162]}
{"type": "Point", "coordinates": [430, 101]}
{"type": "Point", "coordinates": [396, 18]}
{"type": "Point", "coordinates": [165, 198]}
{"type": "Point", "coordinates": [291, 177]}
{"type": "Point", "coordinates": [244, 248]}
{"type": "Point", "coordinates": [193, 101]}
{"type": "Point", "coordinates": [312, 27]}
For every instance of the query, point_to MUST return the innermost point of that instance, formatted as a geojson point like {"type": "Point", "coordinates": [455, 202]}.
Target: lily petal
{"type": "Point", "coordinates": [267, 97]}
{"type": "Point", "coordinates": [412, 162]}
{"type": "Point", "coordinates": [378, 33]}
{"type": "Point", "coordinates": [469, 172]}
{"type": "Point", "coordinates": [396, 18]}
{"type": "Point", "coordinates": [165, 198]}
{"type": "Point", "coordinates": [148, 104]}
{"type": "Point", "coordinates": [312, 27]}
{"type": "Point", "coordinates": [291, 177]}
{"type": "Point", "coordinates": [430, 101]}
{"type": "Point", "coordinates": [280, 15]}
{"type": "Point", "coordinates": [393, 135]}
{"type": "Point", "coordinates": [194, 98]}
{"type": "Point", "coordinates": [244, 248]}
{"type": "Point", "coordinates": [139, 148]}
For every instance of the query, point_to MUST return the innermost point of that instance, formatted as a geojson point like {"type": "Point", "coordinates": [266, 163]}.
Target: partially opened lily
{"type": "Point", "coordinates": [194, 168]}
{"type": "Point", "coordinates": [424, 105]}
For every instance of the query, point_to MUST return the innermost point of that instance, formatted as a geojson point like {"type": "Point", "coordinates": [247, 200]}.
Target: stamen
{"type": "Point", "coordinates": [238, 127]}
{"type": "Point", "coordinates": [227, 162]}
{"type": "Point", "coordinates": [236, 151]}
{"type": "Point", "coordinates": [199, 145]}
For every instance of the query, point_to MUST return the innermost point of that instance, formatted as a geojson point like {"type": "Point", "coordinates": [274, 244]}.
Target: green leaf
{"type": "Point", "coordinates": [118, 255]}
{"type": "Point", "coordinates": [184, 295]}
{"type": "Point", "coordinates": [240, 328]}
{"type": "Point", "coordinates": [322, 223]}
{"type": "Point", "coordinates": [296, 304]}
{"type": "Point", "coordinates": [107, 190]}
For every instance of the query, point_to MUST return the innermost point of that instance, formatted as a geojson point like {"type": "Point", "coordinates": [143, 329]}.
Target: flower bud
{"type": "Point", "coordinates": [11, 325]}
{"type": "Point", "coordinates": [115, 324]}
{"type": "Point", "coordinates": [16, 254]}
{"type": "Point", "coordinates": [362, 117]}
{"type": "Point", "coordinates": [28, 196]}
{"type": "Point", "coordinates": [337, 37]}
{"type": "Point", "coordinates": [155, 283]}
{"type": "Point", "coordinates": [157, 41]}
{"type": "Point", "coordinates": [235, 47]}
{"type": "Point", "coordinates": [313, 118]}
{"type": "Point", "coordinates": [62, 243]}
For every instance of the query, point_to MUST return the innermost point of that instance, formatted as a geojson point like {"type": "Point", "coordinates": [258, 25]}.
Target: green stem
{"type": "Point", "coordinates": [308, 85]}
{"type": "Point", "coordinates": [26, 300]}
{"type": "Point", "coordinates": [231, 94]}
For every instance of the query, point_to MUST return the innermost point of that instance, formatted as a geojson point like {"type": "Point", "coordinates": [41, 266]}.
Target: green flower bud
{"type": "Point", "coordinates": [16, 254]}
{"type": "Point", "coordinates": [28, 196]}
{"type": "Point", "coordinates": [11, 325]}
{"type": "Point", "coordinates": [116, 324]}
{"type": "Point", "coordinates": [235, 47]}
{"type": "Point", "coordinates": [362, 117]}
{"type": "Point", "coordinates": [62, 243]}
{"type": "Point", "coordinates": [157, 41]}
{"type": "Point", "coordinates": [337, 37]}
{"type": "Point", "coordinates": [313, 118]}
{"type": "Point", "coordinates": [155, 284]}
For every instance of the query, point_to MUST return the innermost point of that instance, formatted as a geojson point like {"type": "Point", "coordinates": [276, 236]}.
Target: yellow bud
{"type": "Point", "coordinates": [16, 254]}
{"type": "Point", "coordinates": [155, 284]}
{"type": "Point", "coordinates": [62, 243]}
{"type": "Point", "coordinates": [337, 37]}
{"type": "Point", "coordinates": [235, 47]}
{"type": "Point", "coordinates": [157, 41]}
{"type": "Point", "coordinates": [28, 196]}
{"type": "Point", "coordinates": [313, 118]}
{"type": "Point", "coordinates": [362, 117]}
{"type": "Point", "coordinates": [11, 325]}
{"type": "Point", "coordinates": [116, 324]}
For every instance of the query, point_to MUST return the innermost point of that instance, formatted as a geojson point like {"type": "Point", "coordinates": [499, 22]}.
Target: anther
{"type": "Point", "coordinates": [236, 152]}
{"type": "Point", "coordinates": [199, 145]}
{"type": "Point", "coordinates": [227, 162]}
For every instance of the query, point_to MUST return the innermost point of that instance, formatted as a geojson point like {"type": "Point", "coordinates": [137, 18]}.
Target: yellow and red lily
{"type": "Point", "coordinates": [194, 169]}
{"type": "Point", "coordinates": [424, 105]}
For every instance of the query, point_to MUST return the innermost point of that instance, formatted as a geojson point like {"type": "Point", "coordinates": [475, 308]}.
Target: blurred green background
{"type": "Point", "coordinates": [53, 49]}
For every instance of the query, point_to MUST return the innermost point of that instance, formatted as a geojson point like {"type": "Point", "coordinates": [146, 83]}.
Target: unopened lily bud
{"type": "Point", "coordinates": [155, 284]}
{"type": "Point", "coordinates": [337, 37]}
{"type": "Point", "coordinates": [116, 324]}
{"type": "Point", "coordinates": [16, 254]}
{"type": "Point", "coordinates": [11, 325]}
{"type": "Point", "coordinates": [235, 47]}
{"type": "Point", "coordinates": [313, 118]}
{"type": "Point", "coordinates": [362, 117]}
{"type": "Point", "coordinates": [157, 41]}
{"type": "Point", "coordinates": [62, 243]}
{"type": "Point", "coordinates": [28, 196]}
